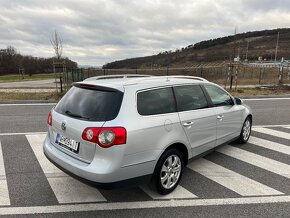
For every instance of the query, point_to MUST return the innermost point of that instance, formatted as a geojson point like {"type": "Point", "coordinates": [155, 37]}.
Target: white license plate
{"type": "Point", "coordinates": [67, 143]}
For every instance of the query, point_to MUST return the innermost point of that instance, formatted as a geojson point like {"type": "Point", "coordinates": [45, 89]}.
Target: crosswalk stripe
{"type": "Point", "coordinates": [178, 193]}
{"type": "Point", "coordinates": [273, 132]}
{"type": "Point", "coordinates": [236, 182]}
{"type": "Point", "coordinates": [48, 168]}
{"type": "Point", "coordinates": [4, 194]}
{"type": "Point", "coordinates": [257, 160]}
{"type": "Point", "coordinates": [270, 145]}
{"type": "Point", "coordinates": [65, 188]}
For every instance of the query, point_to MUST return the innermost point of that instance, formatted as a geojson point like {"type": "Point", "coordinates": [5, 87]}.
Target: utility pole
{"type": "Point", "coordinates": [247, 50]}
{"type": "Point", "coordinates": [235, 42]}
{"type": "Point", "coordinates": [277, 47]}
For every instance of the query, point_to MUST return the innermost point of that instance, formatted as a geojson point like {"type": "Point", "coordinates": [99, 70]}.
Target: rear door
{"type": "Point", "coordinates": [228, 115]}
{"type": "Point", "coordinates": [82, 107]}
{"type": "Point", "coordinates": [197, 118]}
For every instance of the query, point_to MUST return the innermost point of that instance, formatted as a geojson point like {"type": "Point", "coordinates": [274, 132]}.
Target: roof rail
{"type": "Point", "coordinates": [120, 76]}
{"type": "Point", "coordinates": [188, 77]}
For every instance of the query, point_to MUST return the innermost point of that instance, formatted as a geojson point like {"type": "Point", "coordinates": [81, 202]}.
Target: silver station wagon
{"type": "Point", "coordinates": [115, 130]}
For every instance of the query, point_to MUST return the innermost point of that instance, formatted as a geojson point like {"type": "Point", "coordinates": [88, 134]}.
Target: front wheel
{"type": "Point", "coordinates": [246, 131]}
{"type": "Point", "coordinates": [168, 172]}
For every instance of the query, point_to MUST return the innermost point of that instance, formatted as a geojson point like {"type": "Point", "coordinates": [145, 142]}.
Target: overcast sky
{"type": "Point", "coordinates": [95, 32]}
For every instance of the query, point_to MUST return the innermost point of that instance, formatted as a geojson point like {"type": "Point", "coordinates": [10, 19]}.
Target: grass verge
{"type": "Point", "coordinates": [52, 96]}
{"type": "Point", "coordinates": [258, 92]}
{"type": "Point", "coordinates": [17, 78]}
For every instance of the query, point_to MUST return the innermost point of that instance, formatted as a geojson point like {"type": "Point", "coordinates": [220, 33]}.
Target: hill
{"type": "Point", "coordinates": [224, 49]}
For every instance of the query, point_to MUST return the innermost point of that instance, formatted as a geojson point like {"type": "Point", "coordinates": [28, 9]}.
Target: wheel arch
{"type": "Point", "coordinates": [181, 148]}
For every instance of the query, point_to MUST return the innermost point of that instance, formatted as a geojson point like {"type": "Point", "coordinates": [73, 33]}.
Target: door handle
{"type": "Point", "coordinates": [187, 124]}
{"type": "Point", "coordinates": [220, 117]}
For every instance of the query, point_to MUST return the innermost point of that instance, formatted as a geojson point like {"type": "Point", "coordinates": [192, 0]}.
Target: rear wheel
{"type": "Point", "coordinates": [168, 171]}
{"type": "Point", "coordinates": [246, 131]}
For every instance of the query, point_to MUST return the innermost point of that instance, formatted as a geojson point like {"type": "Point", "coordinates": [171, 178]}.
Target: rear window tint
{"type": "Point", "coordinates": [157, 101]}
{"type": "Point", "coordinates": [90, 104]}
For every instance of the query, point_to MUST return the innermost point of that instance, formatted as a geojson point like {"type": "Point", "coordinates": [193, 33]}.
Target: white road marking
{"type": "Point", "coordinates": [65, 188]}
{"type": "Point", "coordinates": [270, 145]}
{"type": "Point", "coordinates": [35, 142]}
{"type": "Point", "coordinates": [21, 133]}
{"type": "Point", "coordinates": [4, 194]}
{"type": "Point", "coordinates": [236, 182]}
{"type": "Point", "coordinates": [264, 99]}
{"type": "Point", "coordinates": [178, 193]}
{"type": "Point", "coordinates": [69, 190]}
{"type": "Point", "coordinates": [273, 166]}
{"type": "Point", "coordinates": [273, 132]}
{"type": "Point", "coordinates": [30, 104]}
{"type": "Point", "coordinates": [265, 126]}
{"type": "Point", "coordinates": [142, 205]}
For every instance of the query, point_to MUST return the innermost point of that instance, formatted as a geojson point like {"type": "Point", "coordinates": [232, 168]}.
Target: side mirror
{"type": "Point", "coordinates": [238, 101]}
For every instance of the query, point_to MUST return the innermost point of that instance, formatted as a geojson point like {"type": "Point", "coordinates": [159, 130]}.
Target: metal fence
{"type": "Point", "coordinates": [228, 75]}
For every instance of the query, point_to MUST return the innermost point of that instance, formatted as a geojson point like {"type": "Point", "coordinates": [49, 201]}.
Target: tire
{"type": "Point", "coordinates": [246, 131]}
{"type": "Point", "coordinates": [168, 172]}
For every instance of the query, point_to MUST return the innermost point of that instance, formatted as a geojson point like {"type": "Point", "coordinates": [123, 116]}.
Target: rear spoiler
{"type": "Point", "coordinates": [95, 87]}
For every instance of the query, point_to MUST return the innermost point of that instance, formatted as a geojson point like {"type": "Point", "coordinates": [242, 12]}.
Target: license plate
{"type": "Point", "coordinates": [67, 143]}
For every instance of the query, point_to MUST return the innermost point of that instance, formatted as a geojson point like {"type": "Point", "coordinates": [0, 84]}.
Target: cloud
{"type": "Point", "coordinates": [97, 32]}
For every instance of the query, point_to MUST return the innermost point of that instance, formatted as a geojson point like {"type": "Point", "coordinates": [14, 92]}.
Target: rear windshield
{"type": "Point", "coordinates": [90, 104]}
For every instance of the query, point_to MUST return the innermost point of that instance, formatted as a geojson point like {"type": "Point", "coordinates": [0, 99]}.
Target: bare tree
{"type": "Point", "coordinates": [57, 45]}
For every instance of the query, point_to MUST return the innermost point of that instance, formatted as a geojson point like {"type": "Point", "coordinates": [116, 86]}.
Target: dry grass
{"type": "Point", "coordinates": [52, 96]}
{"type": "Point", "coordinates": [258, 92]}
{"type": "Point", "coordinates": [17, 78]}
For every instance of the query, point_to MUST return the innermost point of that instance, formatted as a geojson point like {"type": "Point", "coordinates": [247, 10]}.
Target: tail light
{"type": "Point", "coordinates": [105, 136]}
{"type": "Point", "coordinates": [49, 119]}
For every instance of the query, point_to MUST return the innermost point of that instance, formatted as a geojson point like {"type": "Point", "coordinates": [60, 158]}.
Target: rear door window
{"type": "Point", "coordinates": [190, 97]}
{"type": "Point", "coordinates": [156, 101]}
{"type": "Point", "coordinates": [90, 104]}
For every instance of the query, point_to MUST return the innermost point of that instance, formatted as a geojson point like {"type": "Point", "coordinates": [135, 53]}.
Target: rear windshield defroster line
{"type": "Point", "coordinates": [92, 104]}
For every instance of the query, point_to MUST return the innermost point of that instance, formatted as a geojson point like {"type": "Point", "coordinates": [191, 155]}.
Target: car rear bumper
{"type": "Point", "coordinates": [94, 174]}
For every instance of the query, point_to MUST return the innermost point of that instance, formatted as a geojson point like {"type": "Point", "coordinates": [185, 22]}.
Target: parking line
{"type": "Point", "coordinates": [65, 188]}
{"type": "Point", "coordinates": [178, 193]}
{"type": "Point", "coordinates": [236, 182]}
{"type": "Point", "coordinates": [30, 104]}
{"type": "Point", "coordinates": [270, 145]}
{"type": "Point", "coordinates": [264, 99]}
{"type": "Point", "coordinates": [21, 133]}
{"type": "Point", "coordinates": [273, 166]}
{"type": "Point", "coordinates": [273, 132]}
{"type": "Point", "coordinates": [142, 205]}
{"type": "Point", "coordinates": [4, 194]}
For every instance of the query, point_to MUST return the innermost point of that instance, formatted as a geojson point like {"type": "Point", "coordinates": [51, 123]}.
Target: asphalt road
{"type": "Point", "coordinates": [258, 185]}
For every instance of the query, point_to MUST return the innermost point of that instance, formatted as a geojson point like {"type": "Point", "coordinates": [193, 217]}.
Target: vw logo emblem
{"type": "Point", "coordinates": [63, 125]}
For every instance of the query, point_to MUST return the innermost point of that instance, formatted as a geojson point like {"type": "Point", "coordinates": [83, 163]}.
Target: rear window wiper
{"type": "Point", "coordinates": [76, 115]}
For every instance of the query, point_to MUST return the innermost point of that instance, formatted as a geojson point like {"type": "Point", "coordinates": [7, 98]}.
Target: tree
{"type": "Point", "coordinates": [57, 45]}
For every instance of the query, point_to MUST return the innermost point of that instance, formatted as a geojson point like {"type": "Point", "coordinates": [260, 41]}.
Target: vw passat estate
{"type": "Point", "coordinates": [116, 129]}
